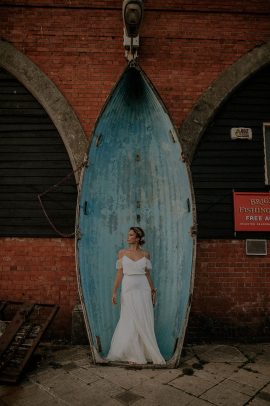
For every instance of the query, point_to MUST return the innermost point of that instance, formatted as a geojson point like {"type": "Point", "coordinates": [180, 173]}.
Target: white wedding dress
{"type": "Point", "coordinates": [134, 338]}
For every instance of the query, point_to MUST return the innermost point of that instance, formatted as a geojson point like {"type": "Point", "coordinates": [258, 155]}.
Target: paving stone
{"type": "Point", "coordinates": [84, 375]}
{"type": "Point", "coordinates": [263, 361]}
{"type": "Point", "coordinates": [165, 402]}
{"type": "Point", "coordinates": [72, 353]}
{"type": "Point", "coordinates": [240, 387]}
{"type": "Point", "coordinates": [62, 386]}
{"type": "Point", "coordinates": [151, 373]}
{"type": "Point", "coordinates": [198, 402]}
{"type": "Point", "coordinates": [110, 388]}
{"type": "Point", "coordinates": [52, 402]}
{"type": "Point", "coordinates": [85, 398]}
{"type": "Point", "coordinates": [259, 367]}
{"type": "Point", "coordinates": [148, 402]}
{"type": "Point", "coordinates": [201, 349]}
{"type": "Point", "coordinates": [253, 379]}
{"type": "Point", "coordinates": [267, 388]}
{"type": "Point", "coordinates": [76, 382]}
{"type": "Point", "coordinates": [222, 369]}
{"type": "Point", "coordinates": [251, 351]}
{"type": "Point", "coordinates": [14, 398]}
{"type": "Point", "coordinates": [69, 366]}
{"type": "Point", "coordinates": [193, 384]}
{"type": "Point", "coordinates": [167, 375]}
{"type": "Point", "coordinates": [50, 377]}
{"type": "Point", "coordinates": [221, 395]}
{"type": "Point", "coordinates": [47, 375]}
{"type": "Point", "coordinates": [265, 352]}
{"type": "Point", "coordinates": [32, 396]}
{"type": "Point", "coordinates": [258, 402]}
{"type": "Point", "coordinates": [158, 394]}
{"type": "Point", "coordinates": [43, 400]}
{"type": "Point", "coordinates": [187, 353]}
{"type": "Point", "coordinates": [126, 378]}
{"type": "Point", "coordinates": [224, 353]}
{"type": "Point", "coordinates": [83, 362]}
{"type": "Point", "coordinates": [5, 390]}
{"type": "Point", "coordinates": [98, 393]}
{"type": "Point", "coordinates": [189, 362]}
{"type": "Point", "coordinates": [128, 398]}
{"type": "Point", "coordinates": [211, 376]}
{"type": "Point", "coordinates": [112, 402]}
{"type": "Point", "coordinates": [264, 395]}
{"type": "Point", "coordinates": [264, 355]}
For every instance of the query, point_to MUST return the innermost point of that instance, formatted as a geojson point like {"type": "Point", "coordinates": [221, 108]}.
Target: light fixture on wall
{"type": "Point", "coordinates": [132, 17]}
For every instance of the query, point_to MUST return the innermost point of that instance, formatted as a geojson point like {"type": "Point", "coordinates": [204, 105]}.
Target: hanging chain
{"type": "Point", "coordinates": [52, 188]}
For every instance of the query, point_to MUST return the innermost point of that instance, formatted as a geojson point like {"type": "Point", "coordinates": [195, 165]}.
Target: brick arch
{"type": "Point", "coordinates": [198, 119]}
{"type": "Point", "coordinates": [52, 100]}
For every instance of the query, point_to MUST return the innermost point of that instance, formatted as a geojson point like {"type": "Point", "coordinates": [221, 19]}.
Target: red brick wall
{"type": "Point", "coordinates": [185, 46]}
{"type": "Point", "coordinates": [181, 52]}
{"type": "Point", "coordinates": [41, 270]}
{"type": "Point", "coordinates": [231, 287]}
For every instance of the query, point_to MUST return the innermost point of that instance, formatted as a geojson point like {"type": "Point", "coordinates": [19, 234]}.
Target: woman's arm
{"type": "Point", "coordinates": [153, 290]}
{"type": "Point", "coordinates": [150, 281]}
{"type": "Point", "coordinates": [117, 281]}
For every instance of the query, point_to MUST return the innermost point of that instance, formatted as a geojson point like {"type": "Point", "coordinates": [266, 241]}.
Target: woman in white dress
{"type": "Point", "coordinates": [134, 339]}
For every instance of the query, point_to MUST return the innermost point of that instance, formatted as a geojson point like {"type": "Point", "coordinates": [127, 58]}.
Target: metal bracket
{"type": "Point", "coordinates": [98, 140]}
{"type": "Point", "coordinates": [78, 233]}
{"type": "Point", "coordinates": [193, 230]}
{"type": "Point", "coordinates": [131, 46]}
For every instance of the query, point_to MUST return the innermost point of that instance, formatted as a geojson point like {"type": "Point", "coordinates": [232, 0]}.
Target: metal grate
{"type": "Point", "coordinates": [128, 397]}
{"type": "Point", "coordinates": [256, 247]}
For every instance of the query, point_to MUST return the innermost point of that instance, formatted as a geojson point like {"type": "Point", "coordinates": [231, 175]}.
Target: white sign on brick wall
{"type": "Point", "coordinates": [241, 133]}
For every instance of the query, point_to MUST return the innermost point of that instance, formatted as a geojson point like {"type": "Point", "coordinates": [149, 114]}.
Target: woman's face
{"type": "Point", "coordinates": [132, 237]}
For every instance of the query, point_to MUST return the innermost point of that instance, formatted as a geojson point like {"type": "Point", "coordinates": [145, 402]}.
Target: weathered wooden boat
{"type": "Point", "coordinates": [135, 176]}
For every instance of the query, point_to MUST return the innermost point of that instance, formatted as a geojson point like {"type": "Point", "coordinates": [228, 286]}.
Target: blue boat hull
{"type": "Point", "coordinates": [135, 176]}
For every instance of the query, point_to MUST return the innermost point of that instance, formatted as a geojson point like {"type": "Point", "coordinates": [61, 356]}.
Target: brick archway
{"type": "Point", "coordinates": [198, 119]}
{"type": "Point", "coordinates": [47, 94]}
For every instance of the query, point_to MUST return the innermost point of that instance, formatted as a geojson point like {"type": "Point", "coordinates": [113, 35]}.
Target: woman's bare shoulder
{"type": "Point", "coordinates": [121, 253]}
{"type": "Point", "coordinates": [146, 254]}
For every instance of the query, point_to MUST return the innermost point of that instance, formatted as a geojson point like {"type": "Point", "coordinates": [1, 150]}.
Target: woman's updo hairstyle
{"type": "Point", "coordinates": [139, 233]}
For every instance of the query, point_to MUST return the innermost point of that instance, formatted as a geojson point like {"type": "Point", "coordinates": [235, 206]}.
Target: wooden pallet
{"type": "Point", "coordinates": [22, 336]}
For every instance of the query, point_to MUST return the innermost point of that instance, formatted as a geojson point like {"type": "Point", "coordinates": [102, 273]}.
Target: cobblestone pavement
{"type": "Point", "coordinates": [215, 374]}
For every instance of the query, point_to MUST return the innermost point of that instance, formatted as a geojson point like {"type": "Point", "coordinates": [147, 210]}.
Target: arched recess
{"type": "Point", "coordinates": [197, 121]}
{"type": "Point", "coordinates": [47, 94]}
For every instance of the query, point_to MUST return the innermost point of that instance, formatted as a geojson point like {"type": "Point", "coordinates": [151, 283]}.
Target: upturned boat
{"type": "Point", "coordinates": [136, 176]}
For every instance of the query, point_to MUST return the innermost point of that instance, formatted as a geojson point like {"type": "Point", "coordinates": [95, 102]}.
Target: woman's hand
{"type": "Point", "coordinates": [154, 296]}
{"type": "Point", "coordinates": [117, 281]}
{"type": "Point", "coordinates": [114, 299]}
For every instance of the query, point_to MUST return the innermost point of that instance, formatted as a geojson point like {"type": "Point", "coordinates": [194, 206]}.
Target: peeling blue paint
{"type": "Point", "coordinates": [135, 177]}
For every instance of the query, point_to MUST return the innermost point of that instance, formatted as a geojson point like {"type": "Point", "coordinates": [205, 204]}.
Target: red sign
{"type": "Point", "coordinates": [251, 211]}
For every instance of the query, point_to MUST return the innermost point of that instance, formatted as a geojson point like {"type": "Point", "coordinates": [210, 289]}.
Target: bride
{"type": "Point", "coordinates": [134, 338]}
